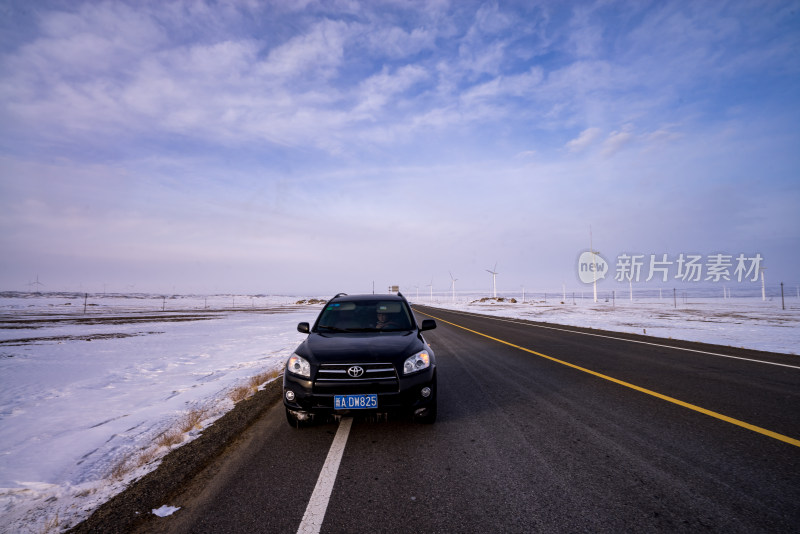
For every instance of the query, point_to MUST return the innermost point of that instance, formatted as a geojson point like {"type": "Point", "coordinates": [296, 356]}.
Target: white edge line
{"type": "Point", "coordinates": [318, 504]}
{"type": "Point", "coordinates": [525, 323]}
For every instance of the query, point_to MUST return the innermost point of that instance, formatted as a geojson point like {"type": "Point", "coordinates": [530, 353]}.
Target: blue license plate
{"type": "Point", "coordinates": [355, 402]}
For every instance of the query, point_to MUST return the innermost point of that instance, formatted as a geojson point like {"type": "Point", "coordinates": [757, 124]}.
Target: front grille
{"type": "Point", "coordinates": [332, 378]}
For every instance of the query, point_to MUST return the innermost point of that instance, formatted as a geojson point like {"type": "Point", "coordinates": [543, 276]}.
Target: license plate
{"type": "Point", "coordinates": [355, 402]}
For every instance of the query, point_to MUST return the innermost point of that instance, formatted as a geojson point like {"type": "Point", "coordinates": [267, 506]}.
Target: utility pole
{"type": "Point", "coordinates": [783, 304]}
{"type": "Point", "coordinates": [594, 263]}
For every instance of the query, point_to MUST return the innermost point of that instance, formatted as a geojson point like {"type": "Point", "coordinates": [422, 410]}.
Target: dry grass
{"type": "Point", "coordinates": [242, 392]}
{"type": "Point", "coordinates": [134, 461]}
{"type": "Point", "coordinates": [146, 456]}
{"type": "Point", "coordinates": [121, 469]}
{"type": "Point", "coordinates": [53, 525]}
{"type": "Point", "coordinates": [192, 420]}
{"type": "Point", "coordinates": [169, 438]}
{"type": "Point", "coordinates": [263, 378]}
{"type": "Point", "coordinates": [166, 439]}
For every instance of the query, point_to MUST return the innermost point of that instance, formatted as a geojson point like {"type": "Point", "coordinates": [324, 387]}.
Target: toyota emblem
{"type": "Point", "coordinates": [355, 371]}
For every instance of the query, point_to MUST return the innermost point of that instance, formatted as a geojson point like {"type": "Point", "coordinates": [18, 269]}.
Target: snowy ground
{"type": "Point", "coordinates": [86, 390]}
{"type": "Point", "coordinates": [82, 401]}
{"type": "Point", "coordinates": [737, 322]}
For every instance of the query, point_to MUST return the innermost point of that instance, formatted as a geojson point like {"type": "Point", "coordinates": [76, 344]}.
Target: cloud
{"type": "Point", "coordinates": [316, 54]}
{"type": "Point", "coordinates": [397, 43]}
{"type": "Point", "coordinates": [378, 90]}
{"type": "Point", "coordinates": [526, 155]}
{"type": "Point", "coordinates": [483, 48]}
{"type": "Point", "coordinates": [585, 38]}
{"type": "Point", "coordinates": [239, 129]}
{"type": "Point", "coordinates": [617, 140]}
{"type": "Point", "coordinates": [586, 138]}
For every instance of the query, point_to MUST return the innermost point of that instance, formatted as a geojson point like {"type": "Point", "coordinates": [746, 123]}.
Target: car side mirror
{"type": "Point", "coordinates": [428, 324]}
{"type": "Point", "coordinates": [303, 328]}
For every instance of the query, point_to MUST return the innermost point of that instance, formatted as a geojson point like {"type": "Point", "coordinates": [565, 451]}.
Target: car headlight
{"type": "Point", "coordinates": [298, 365]}
{"type": "Point", "coordinates": [417, 362]}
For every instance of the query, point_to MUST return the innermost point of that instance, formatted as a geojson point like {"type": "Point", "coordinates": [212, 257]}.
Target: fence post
{"type": "Point", "coordinates": [783, 303]}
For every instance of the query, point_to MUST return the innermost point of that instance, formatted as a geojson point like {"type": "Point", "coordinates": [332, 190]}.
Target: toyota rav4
{"type": "Point", "coordinates": [365, 353]}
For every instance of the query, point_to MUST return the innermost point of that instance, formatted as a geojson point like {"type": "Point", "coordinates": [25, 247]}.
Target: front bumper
{"type": "Point", "coordinates": [313, 400]}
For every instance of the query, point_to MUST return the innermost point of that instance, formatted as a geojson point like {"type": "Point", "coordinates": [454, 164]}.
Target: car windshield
{"type": "Point", "coordinates": [365, 316]}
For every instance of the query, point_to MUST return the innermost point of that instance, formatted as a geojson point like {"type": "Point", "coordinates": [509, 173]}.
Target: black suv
{"type": "Point", "coordinates": [365, 353]}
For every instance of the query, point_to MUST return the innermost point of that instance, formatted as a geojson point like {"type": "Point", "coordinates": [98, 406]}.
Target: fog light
{"type": "Point", "coordinates": [290, 395]}
{"type": "Point", "coordinates": [426, 392]}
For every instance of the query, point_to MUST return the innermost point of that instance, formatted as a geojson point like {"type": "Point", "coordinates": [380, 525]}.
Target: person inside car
{"type": "Point", "coordinates": [386, 320]}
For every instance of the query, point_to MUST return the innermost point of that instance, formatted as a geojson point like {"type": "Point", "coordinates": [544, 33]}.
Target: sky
{"type": "Point", "coordinates": [313, 147]}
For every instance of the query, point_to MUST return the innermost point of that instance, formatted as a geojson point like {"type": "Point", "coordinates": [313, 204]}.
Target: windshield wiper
{"type": "Point", "coordinates": [334, 328]}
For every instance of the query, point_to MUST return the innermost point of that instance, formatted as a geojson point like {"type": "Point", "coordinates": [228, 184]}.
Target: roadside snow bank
{"type": "Point", "coordinates": [738, 322]}
{"type": "Point", "coordinates": [86, 400]}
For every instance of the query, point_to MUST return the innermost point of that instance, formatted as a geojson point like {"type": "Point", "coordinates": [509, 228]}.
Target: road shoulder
{"type": "Point", "coordinates": [128, 509]}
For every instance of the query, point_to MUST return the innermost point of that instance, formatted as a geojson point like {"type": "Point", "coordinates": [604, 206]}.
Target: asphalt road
{"type": "Point", "coordinates": [527, 443]}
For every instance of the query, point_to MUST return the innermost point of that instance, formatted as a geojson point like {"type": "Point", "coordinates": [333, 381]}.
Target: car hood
{"type": "Point", "coordinates": [360, 348]}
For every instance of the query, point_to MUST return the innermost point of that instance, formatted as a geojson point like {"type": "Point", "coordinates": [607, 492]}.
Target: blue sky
{"type": "Point", "coordinates": [317, 147]}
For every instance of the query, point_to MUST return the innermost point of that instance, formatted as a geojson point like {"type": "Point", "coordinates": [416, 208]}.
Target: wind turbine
{"type": "Point", "coordinates": [594, 264]}
{"type": "Point", "coordinates": [36, 283]}
{"type": "Point", "coordinates": [454, 286]}
{"type": "Point", "coordinates": [494, 280]}
{"type": "Point", "coordinates": [431, 286]}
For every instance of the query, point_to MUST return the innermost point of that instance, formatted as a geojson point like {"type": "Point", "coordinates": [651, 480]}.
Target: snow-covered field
{"type": "Point", "coordinates": [86, 393]}
{"type": "Point", "coordinates": [85, 398]}
{"type": "Point", "coordinates": [738, 322]}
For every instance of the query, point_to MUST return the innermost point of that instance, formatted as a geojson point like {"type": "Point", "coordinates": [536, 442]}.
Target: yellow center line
{"type": "Point", "coordinates": [754, 428]}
